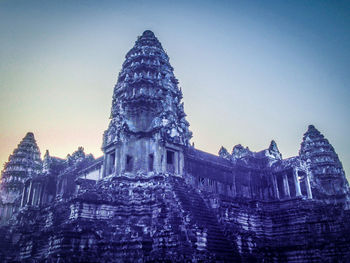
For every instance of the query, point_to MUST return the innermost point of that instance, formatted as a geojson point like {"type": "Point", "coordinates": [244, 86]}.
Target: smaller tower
{"type": "Point", "coordinates": [46, 162]}
{"type": "Point", "coordinates": [328, 179]}
{"type": "Point", "coordinates": [224, 153]}
{"type": "Point", "coordinates": [23, 163]}
{"type": "Point", "coordinates": [273, 150]}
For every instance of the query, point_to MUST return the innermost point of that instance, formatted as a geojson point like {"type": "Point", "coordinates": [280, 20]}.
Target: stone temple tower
{"type": "Point", "coordinates": [24, 163]}
{"type": "Point", "coordinates": [328, 179]}
{"type": "Point", "coordinates": [148, 130]}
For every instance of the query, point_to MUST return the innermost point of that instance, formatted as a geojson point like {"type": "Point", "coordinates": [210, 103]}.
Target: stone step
{"type": "Point", "coordinates": [194, 204]}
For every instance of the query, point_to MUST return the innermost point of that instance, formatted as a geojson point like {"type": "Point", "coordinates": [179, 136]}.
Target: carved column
{"type": "Point", "coordinates": [181, 163]}
{"type": "Point", "coordinates": [286, 185]}
{"type": "Point", "coordinates": [234, 189]}
{"type": "Point", "coordinates": [100, 172]}
{"type": "Point", "coordinates": [104, 170]}
{"type": "Point", "coordinates": [275, 186]}
{"type": "Point", "coordinates": [29, 199]}
{"type": "Point", "coordinates": [296, 182]}
{"type": "Point", "coordinates": [41, 193]}
{"type": "Point", "coordinates": [108, 164]}
{"type": "Point", "coordinates": [115, 164]}
{"type": "Point", "coordinates": [176, 162]}
{"type": "Point", "coordinates": [308, 186]}
{"type": "Point", "coordinates": [34, 195]}
{"type": "Point", "coordinates": [23, 195]}
{"type": "Point", "coordinates": [164, 160]}
{"type": "Point", "coordinates": [122, 160]}
{"type": "Point", "coordinates": [157, 159]}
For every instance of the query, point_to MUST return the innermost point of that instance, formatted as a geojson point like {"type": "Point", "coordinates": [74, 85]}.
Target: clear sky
{"type": "Point", "coordinates": [250, 71]}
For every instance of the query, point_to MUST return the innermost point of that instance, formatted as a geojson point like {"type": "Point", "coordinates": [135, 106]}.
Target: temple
{"type": "Point", "coordinates": [153, 196]}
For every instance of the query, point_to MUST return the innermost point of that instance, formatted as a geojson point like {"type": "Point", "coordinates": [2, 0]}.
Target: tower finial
{"type": "Point", "coordinates": [148, 33]}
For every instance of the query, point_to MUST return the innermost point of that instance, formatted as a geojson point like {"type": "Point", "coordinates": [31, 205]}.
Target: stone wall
{"type": "Point", "coordinates": [130, 219]}
{"type": "Point", "coordinates": [159, 217]}
{"type": "Point", "coordinates": [292, 230]}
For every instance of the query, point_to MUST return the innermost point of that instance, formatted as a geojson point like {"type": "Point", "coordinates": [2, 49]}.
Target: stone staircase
{"type": "Point", "coordinates": [210, 236]}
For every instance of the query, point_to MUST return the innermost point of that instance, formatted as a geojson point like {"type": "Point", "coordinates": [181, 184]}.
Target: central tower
{"type": "Point", "coordinates": [148, 129]}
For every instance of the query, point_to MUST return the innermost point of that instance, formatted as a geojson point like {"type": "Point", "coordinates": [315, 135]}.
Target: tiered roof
{"type": "Point", "coordinates": [327, 175]}
{"type": "Point", "coordinates": [147, 81]}
{"type": "Point", "coordinates": [146, 66]}
{"type": "Point", "coordinates": [23, 163]}
{"type": "Point", "coordinates": [320, 154]}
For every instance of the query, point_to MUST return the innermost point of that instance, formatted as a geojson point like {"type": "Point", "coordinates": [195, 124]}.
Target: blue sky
{"type": "Point", "coordinates": [250, 71]}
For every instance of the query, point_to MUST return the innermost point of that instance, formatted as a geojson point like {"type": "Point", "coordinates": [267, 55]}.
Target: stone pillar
{"type": "Point", "coordinates": [35, 194]}
{"type": "Point", "coordinates": [23, 195]}
{"type": "Point", "coordinates": [115, 164]}
{"type": "Point", "coordinates": [164, 160]}
{"type": "Point", "coordinates": [296, 182]}
{"type": "Point", "coordinates": [308, 186]}
{"type": "Point", "coordinates": [104, 170]}
{"type": "Point", "coordinates": [181, 163]}
{"type": "Point", "coordinates": [275, 186]}
{"type": "Point", "coordinates": [122, 159]}
{"type": "Point", "coordinates": [108, 164]}
{"type": "Point", "coordinates": [156, 158]}
{"type": "Point", "coordinates": [37, 199]}
{"type": "Point", "coordinates": [41, 193]}
{"type": "Point", "coordinates": [99, 173]}
{"type": "Point", "coordinates": [286, 185]}
{"type": "Point", "coordinates": [29, 199]}
{"type": "Point", "coordinates": [176, 162]}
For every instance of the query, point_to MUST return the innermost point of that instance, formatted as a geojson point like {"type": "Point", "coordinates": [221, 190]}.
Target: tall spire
{"type": "Point", "coordinates": [146, 99]}
{"type": "Point", "coordinates": [328, 177]}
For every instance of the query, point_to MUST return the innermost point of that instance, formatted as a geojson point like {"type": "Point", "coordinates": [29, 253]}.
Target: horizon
{"type": "Point", "coordinates": [250, 73]}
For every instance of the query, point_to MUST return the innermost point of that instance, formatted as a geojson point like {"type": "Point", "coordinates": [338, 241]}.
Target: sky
{"type": "Point", "coordinates": [250, 71]}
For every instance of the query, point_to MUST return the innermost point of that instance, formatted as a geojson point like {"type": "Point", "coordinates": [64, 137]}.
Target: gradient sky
{"type": "Point", "coordinates": [250, 71]}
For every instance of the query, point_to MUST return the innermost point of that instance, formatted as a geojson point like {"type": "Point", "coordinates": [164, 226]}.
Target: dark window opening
{"type": "Point", "coordinates": [150, 162]}
{"type": "Point", "coordinates": [280, 185]}
{"type": "Point", "coordinates": [128, 167]}
{"type": "Point", "coordinates": [169, 157]}
{"type": "Point", "coordinates": [292, 190]}
{"type": "Point", "coordinates": [170, 161]}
